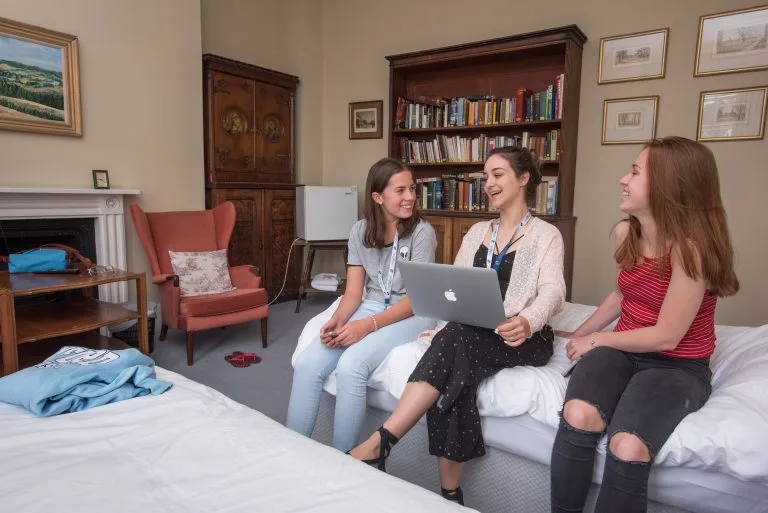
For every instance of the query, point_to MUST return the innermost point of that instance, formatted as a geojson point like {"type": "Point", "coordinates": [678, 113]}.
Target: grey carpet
{"type": "Point", "coordinates": [265, 386]}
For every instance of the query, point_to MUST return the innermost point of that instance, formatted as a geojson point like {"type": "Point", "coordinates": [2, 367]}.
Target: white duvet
{"type": "Point", "coordinates": [727, 435]}
{"type": "Point", "coordinates": [189, 450]}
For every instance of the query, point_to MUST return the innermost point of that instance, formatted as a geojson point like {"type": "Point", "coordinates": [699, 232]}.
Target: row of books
{"type": "Point", "coordinates": [436, 112]}
{"type": "Point", "coordinates": [446, 149]}
{"type": "Point", "coordinates": [465, 192]}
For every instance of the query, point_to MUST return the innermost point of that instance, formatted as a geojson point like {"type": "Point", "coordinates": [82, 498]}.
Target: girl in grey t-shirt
{"type": "Point", "coordinates": [362, 332]}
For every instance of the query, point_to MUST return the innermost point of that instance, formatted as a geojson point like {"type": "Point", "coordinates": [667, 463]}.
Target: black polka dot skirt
{"type": "Point", "coordinates": [459, 358]}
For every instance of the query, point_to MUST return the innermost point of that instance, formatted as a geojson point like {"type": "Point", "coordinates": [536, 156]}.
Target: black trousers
{"type": "Point", "coordinates": [645, 394]}
{"type": "Point", "coordinates": [459, 358]}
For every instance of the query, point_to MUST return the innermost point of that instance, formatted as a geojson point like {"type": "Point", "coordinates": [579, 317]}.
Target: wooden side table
{"type": "Point", "coordinates": [305, 286]}
{"type": "Point", "coordinates": [33, 322]}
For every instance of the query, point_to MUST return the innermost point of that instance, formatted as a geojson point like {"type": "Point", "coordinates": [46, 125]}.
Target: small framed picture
{"type": "Point", "coordinates": [732, 41]}
{"type": "Point", "coordinates": [629, 120]}
{"type": "Point", "coordinates": [638, 56]}
{"type": "Point", "coordinates": [733, 115]}
{"type": "Point", "coordinates": [100, 179]}
{"type": "Point", "coordinates": [365, 120]}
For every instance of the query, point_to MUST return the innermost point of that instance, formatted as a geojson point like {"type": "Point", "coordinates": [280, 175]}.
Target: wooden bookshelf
{"type": "Point", "coordinates": [495, 68]}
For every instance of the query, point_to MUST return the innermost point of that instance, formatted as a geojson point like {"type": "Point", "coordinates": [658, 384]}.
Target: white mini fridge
{"type": "Point", "coordinates": [325, 212]}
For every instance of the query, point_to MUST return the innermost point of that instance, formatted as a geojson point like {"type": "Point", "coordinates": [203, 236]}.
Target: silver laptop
{"type": "Point", "coordinates": [469, 295]}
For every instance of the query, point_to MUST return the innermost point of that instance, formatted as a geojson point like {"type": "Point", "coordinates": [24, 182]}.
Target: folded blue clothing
{"type": "Point", "coordinates": [78, 378]}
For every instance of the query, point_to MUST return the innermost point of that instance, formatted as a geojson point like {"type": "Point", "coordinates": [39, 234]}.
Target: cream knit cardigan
{"type": "Point", "coordinates": [536, 285]}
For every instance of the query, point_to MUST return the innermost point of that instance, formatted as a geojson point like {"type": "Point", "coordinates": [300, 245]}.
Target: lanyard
{"type": "Point", "coordinates": [492, 244]}
{"type": "Point", "coordinates": [386, 288]}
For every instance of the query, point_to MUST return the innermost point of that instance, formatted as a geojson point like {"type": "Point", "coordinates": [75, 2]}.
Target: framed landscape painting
{"type": "Point", "coordinates": [629, 120]}
{"type": "Point", "coordinates": [39, 80]}
{"type": "Point", "coordinates": [365, 120]}
{"type": "Point", "coordinates": [732, 115]}
{"type": "Point", "coordinates": [732, 41]}
{"type": "Point", "coordinates": [638, 56]}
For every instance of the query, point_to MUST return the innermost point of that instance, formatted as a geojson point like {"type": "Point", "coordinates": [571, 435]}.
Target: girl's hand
{"type": "Point", "coordinates": [578, 347]}
{"type": "Point", "coordinates": [329, 329]}
{"type": "Point", "coordinates": [514, 331]}
{"type": "Point", "coordinates": [563, 334]}
{"type": "Point", "coordinates": [351, 333]}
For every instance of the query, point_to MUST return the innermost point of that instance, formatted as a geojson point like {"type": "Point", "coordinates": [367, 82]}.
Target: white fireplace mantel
{"type": "Point", "coordinates": [105, 206]}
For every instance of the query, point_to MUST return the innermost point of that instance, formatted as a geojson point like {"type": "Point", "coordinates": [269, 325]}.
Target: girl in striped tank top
{"type": "Point", "coordinates": [674, 259]}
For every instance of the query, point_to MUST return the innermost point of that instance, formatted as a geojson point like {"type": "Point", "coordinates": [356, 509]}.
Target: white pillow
{"type": "Point", "coordinates": [202, 272]}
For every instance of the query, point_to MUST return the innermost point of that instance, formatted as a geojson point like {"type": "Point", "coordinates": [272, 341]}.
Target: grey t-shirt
{"type": "Point", "coordinates": [418, 246]}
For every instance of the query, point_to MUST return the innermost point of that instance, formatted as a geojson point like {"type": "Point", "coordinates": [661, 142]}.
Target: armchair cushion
{"type": "Point", "coordinates": [227, 302]}
{"type": "Point", "coordinates": [201, 272]}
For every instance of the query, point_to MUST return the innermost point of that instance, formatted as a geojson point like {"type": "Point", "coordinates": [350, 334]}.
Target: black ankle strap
{"type": "Point", "coordinates": [455, 495]}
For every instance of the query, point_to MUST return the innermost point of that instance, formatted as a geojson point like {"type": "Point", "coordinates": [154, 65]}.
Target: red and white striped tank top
{"type": "Point", "coordinates": [644, 291]}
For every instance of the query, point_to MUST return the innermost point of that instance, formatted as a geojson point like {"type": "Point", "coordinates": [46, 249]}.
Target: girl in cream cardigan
{"type": "Point", "coordinates": [527, 254]}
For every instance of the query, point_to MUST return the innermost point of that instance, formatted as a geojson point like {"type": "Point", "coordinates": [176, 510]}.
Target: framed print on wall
{"type": "Point", "coordinates": [39, 80]}
{"type": "Point", "coordinates": [629, 120]}
{"type": "Point", "coordinates": [732, 41]}
{"type": "Point", "coordinates": [365, 120]}
{"type": "Point", "coordinates": [732, 115]}
{"type": "Point", "coordinates": [638, 56]}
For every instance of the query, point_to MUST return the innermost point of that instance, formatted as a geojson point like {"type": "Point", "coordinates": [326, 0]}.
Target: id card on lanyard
{"type": "Point", "coordinates": [386, 288]}
{"type": "Point", "coordinates": [492, 243]}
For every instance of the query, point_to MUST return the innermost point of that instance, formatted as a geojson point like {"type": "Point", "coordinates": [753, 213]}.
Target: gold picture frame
{"type": "Point", "coordinates": [732, 42]}
{"type": "Point", "coordinates": [636, 56]}
{"type": "Point", "coordinates": [100, 179]}
{"type": "Point", "coordinates": [39, 80]}
{"type": "Point", "coordinates": [630, 120]}
{"type": "Point", "coordinates": [732, 114]}
{"type": "Point", "coordinates": [365, 120]}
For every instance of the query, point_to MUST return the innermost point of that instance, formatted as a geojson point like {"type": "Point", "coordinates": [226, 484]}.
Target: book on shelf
{"type": "Point", "coordinates": [466, 192]}
{"type": "Point", "coordinates": [456, 148]}
{"type": "Point", "coordinates": [481, 110]}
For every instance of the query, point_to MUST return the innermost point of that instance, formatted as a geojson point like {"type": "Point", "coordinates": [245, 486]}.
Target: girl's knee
{"type": "Point", "coordinates": [630, 448]}
{"type": "Point", "coordinates": [584, 416]}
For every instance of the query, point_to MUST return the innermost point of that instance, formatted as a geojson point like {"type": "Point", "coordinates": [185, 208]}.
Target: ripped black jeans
{"type": "Point", "coordinates": [645, 394]}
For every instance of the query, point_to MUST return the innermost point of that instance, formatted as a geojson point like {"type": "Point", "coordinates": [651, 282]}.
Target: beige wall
{"type": "Point", "coordinates": [357, 35]}
{"type": "Point", "coordinates": [285, 36]}
{"type": "Point", "coordinates": [140, 79]}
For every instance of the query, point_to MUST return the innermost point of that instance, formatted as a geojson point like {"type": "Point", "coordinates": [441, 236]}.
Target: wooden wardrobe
{"type": "Point", "coordinates": [250, 160]}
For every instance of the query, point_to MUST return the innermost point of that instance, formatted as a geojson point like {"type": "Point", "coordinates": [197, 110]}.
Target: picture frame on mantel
{"type": "Point", "coordinates": [732, 42]}
{"type": "Point", "coordinates": [100, 179]}
{"type": "Point", "coordinates": [637, 56]}
{"type": "Point", "coordinates": [39, 80]}
{"type": "Point", "coordinates": [365, 120]}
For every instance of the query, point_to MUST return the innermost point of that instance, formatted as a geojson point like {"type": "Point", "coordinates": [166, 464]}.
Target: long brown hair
{"type": "Point", "coordinates": [376, 222]}
{"type": "Point", "coordinates": [685, 202]}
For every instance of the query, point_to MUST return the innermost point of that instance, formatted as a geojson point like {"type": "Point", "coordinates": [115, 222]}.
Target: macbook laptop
{"type": "Point", "coordinates": [469, 295]}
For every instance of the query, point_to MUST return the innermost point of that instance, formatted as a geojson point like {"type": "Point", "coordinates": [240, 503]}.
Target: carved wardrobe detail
{"type": "Point", "coordinates": [250, 161]}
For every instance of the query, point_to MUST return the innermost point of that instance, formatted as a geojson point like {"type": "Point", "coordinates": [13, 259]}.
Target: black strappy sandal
{"type": "Point", "coordinates": [453, 495]}
{"type": "Point", "coordinates": [388, 440]}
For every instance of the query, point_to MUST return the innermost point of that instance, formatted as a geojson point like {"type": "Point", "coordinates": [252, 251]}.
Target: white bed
{"type": "Point", "coordinates": [189, 450]}
{"type": "Point", "coordinates": [713, 463]}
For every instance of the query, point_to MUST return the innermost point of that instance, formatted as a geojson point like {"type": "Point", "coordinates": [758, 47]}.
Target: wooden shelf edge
{"type": "Point", "coordinates": [479, 128]}
{"type": "Point", "coordinates": [478, 163]}
{"type": "Point", "coordinates": [76, 317]}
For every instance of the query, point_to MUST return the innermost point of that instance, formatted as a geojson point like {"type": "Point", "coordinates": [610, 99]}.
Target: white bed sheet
{"type": "Point", "coordinates": [727, 435]}
{"type": "Point", "coordinates": [189, 450]}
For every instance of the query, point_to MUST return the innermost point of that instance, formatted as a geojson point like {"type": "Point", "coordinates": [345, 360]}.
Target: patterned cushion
{"type": "Point", "coordinates": [203, 272]}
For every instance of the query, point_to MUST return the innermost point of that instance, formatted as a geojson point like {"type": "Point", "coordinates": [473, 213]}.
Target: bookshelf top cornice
{"type": "Point", "coordinates": [507, 44]}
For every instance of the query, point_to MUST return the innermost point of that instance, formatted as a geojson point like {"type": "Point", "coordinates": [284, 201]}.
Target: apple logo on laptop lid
{"type": "Point", "coordinates": [450, 295]}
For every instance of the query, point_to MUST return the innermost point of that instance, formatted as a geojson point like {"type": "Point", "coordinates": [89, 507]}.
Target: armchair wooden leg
{"type": "Point", "coordinates": [264, 332]}
{"type": "Point", "coordinates": [163, 332]}
{"type": "Point", "coordinates": [190, 348]}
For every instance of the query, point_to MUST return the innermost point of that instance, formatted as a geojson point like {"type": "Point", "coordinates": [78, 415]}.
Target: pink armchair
{"type": "Point", "coordinates": [204, 230]}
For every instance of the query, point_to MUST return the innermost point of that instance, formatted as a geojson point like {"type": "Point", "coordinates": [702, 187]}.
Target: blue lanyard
{"type": "Point", "coordinates": [386, 288]}
{"type": "Point", "coordinates": [492, 244]}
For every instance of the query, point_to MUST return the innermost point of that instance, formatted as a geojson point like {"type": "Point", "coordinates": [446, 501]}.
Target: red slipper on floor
{"type": "Point", "coordinates": [237, 360]}
{"type": "Point", "coordinates": [251, 357]}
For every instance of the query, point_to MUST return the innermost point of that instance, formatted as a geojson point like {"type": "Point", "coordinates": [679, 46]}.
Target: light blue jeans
{"type": "Point", "coordinates": [354, 364]}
